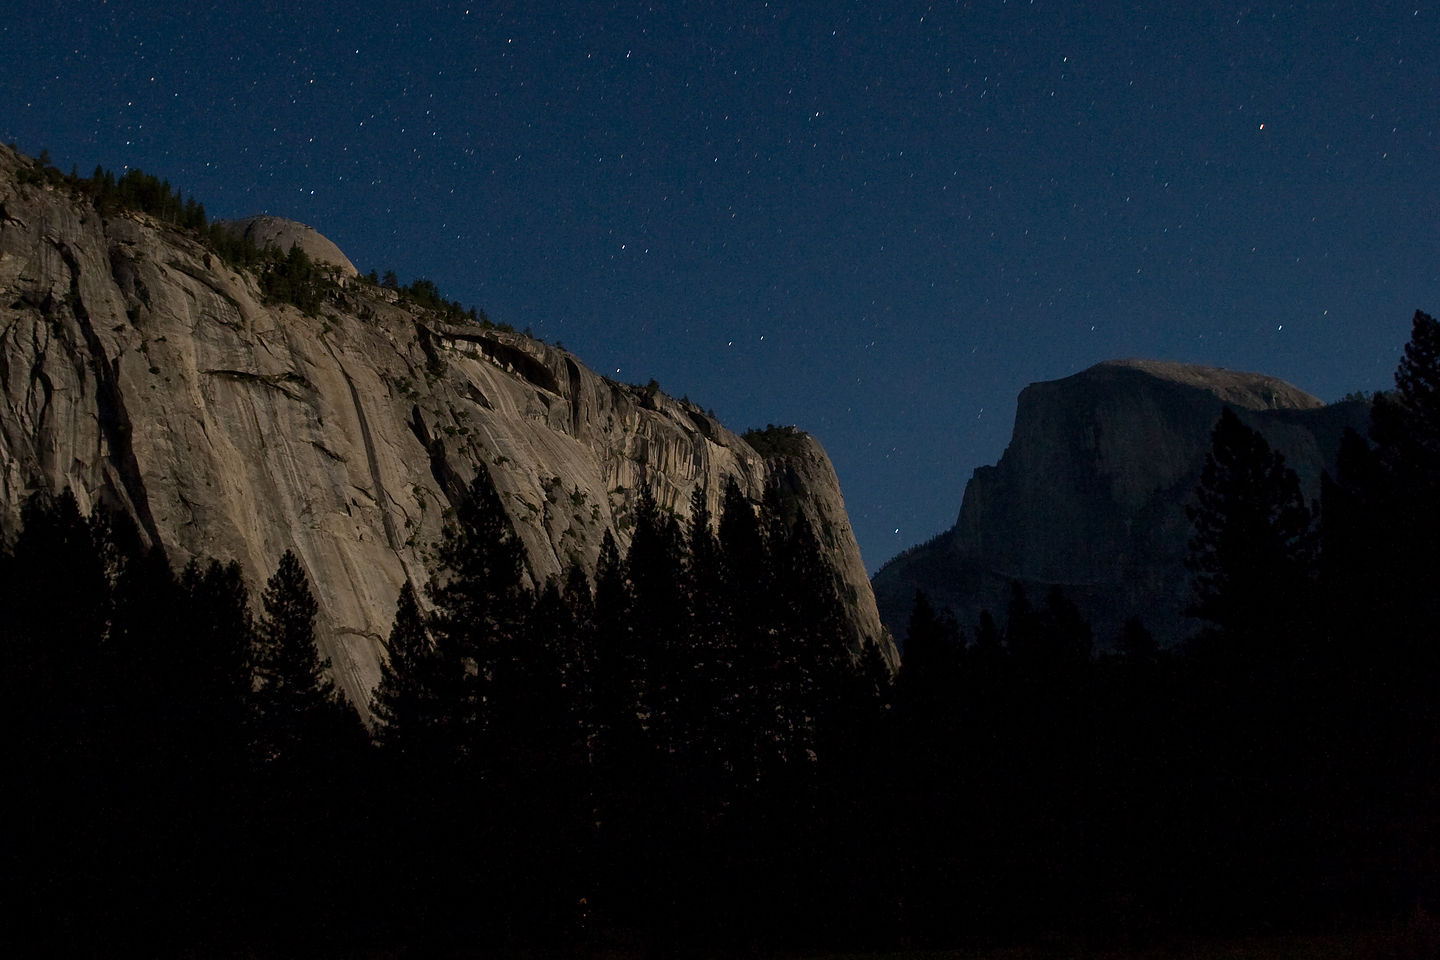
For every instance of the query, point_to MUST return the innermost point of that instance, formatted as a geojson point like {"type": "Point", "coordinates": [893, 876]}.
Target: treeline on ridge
{"type": "Point", "coordinates": [286, 276]}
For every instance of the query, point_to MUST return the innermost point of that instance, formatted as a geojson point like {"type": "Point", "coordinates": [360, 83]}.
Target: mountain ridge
{"type": "Point", "coordinates": [1091, 490]}
{"type": "Point", "coordinates": [142, 371]}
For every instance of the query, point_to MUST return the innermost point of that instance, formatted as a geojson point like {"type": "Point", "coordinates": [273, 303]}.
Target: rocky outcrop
{"type": "Point", "coordinates": [1091, 491]}
{"type": "Point", "coordinates": [137, 368]}
{"type": "Point", "coordinates": [264, 231]}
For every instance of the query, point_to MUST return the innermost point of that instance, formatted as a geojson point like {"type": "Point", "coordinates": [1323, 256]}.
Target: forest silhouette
{"type": "Point", "coordinates": [697, 749]}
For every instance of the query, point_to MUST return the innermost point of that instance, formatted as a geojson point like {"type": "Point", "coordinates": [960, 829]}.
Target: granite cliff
{"type": "Point", "coordinates": [1091, 492]}
{"type": "Point", "coordinates": [140, 370]}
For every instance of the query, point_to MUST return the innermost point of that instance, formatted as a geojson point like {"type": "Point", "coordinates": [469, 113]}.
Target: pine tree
{"type": "Point", "coordinates": [1398, 491]}
{"type": "Point", "coordinates": [707, 676]}
{"type": "Point", "coordinates": [748, 721]}
{"type": "Point", "coordinates": [744, 556]}
{"type": "Point", "coordinates": [56, 603]}
{"type": "Point", "coordinates": [562, 655]}
{"type": "Point", "coordinates": [59, 594]}
{"type": "Point", "coordinates": [481, 605]}
{"type": "Point", "coordinates": [931, 672]}
{"type": "Point", "coordinates": [296, 706]}
{"type": "Point", "coordinates": [819, 641]}
{"type": "Point", "coordinates": [1023, 629]}
{"type": "Point", "coordinates": [701, 544]}
{"type": "Point", "coordinates": [151, 658]}
{"type": "Point", "coordinates": [1067, 636]}
{"type": "Point", "coordinates": [1405, 425]}
{"type": "Point", "coordinates": [54, 609]}
{"type": "Point", "coordinates": [70, 748]}
{"type": "Point", "coordinates": [222, 631]}
{"type": "Point", "coordinates": [546, 705]}
{"type": "Point", "coordinates": [989, 654]}
{"type": "Point", "coordinates": [654, 567]}
{"type": "Point", "coordinates": [581, 664]}
{"type": "Point", "coordinates": [618, 667]}
{"type": "Point", "coordinates": [415, 694]}
{"type": "Point", "coordinates": [1252, 552]}
{"type": "Point", "coordinates": [1381, 520]}
{"type": "Point", "coordinates": [1252, 559]}
{"type": "Point", "coordinates": [1390, 600]}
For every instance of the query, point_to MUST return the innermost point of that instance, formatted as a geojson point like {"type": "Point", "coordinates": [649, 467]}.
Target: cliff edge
{"type": "Point", "coordinates": [1090, 494]}
{"type": "Point", "coordinates": [139, 369]}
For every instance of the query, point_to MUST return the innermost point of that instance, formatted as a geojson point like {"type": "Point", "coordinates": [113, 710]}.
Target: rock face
{"type": "Point", "coordinates": [274, 231]}
{"type": "Point", "coordinates": [1091, 493]}
{"type": "Point", "coordinates": [138, 369]}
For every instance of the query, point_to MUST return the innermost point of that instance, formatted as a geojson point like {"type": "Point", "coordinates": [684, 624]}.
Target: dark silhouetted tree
{"type": "Point", "coordinates": [54, 601]}
{"type": "Point", "coordinates": [1252, 553]}
{"type": "Point", "coordinates": [930, 674]}
{"type": "Point", "coordinates": [704, 664]}
{"type": "Point", "coordinates": [1405, 425]}
{"type": "Point", "coordinates": [819, 646]}
{"type": "Point", "coordinates": [58, 592]}
{"type": "Point", "coordinates": [221, 628]}
{"type": "Point", "coordinates": [618, 665]}
{"type": "Point", "coordinates": [1398, 492]}
{"type": "Point", "coordinates": [547, 704]}
{"type": "Point", "coordinates": [481, 605]}
{"type": "Point", "coordinates": [655, 568]}
{"type": "Point", "coordinates": [416, 693]}
{"type": "Point", "coordinates": [153, 660]}
{"type": "Point", "coordinates": [1068, 639]}
{"type": "Point", "coordinates": [299, 714]}
{"type": "Point", "coordinates": [581, 658]}
{"type": "Point", "coordinates": [1023, 630]}
{"type": "Point", "coordinates": [748, 721]}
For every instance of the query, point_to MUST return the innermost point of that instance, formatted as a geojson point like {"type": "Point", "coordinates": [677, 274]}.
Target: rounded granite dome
{"type": "Point", "coordinates": [267, 230]}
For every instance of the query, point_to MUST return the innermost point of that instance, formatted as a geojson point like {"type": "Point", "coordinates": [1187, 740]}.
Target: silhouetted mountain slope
{"type": "Point", "coordinates": [1091, 493]}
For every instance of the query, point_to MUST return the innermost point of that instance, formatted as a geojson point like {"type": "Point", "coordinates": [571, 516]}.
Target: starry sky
{"type": "Point", "coordinates": [875, 220]}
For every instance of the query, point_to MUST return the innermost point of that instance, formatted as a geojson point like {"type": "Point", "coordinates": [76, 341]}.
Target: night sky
{"type": "Point", "coordinates": [876, 221]}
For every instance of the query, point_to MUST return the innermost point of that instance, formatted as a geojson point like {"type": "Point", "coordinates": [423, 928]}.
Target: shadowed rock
{"type": "Point", "coordinates": [1091, 493]}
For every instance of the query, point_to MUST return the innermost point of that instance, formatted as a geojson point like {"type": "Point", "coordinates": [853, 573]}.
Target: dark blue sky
{"type": "Point", "coordinates": [877, 221]}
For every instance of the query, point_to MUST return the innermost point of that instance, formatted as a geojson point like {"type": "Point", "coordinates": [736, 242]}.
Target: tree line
{"type": "Point", "coordinates": [150, 718]}
{"type": "Point", "coordinates": [537, 756]}
{"type": "Point", "coordinates": [285, 276]}
{"type": "Point", "coordinates": [694, 747]}
{"type": "Point", "coordinates": [1279, 768]}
